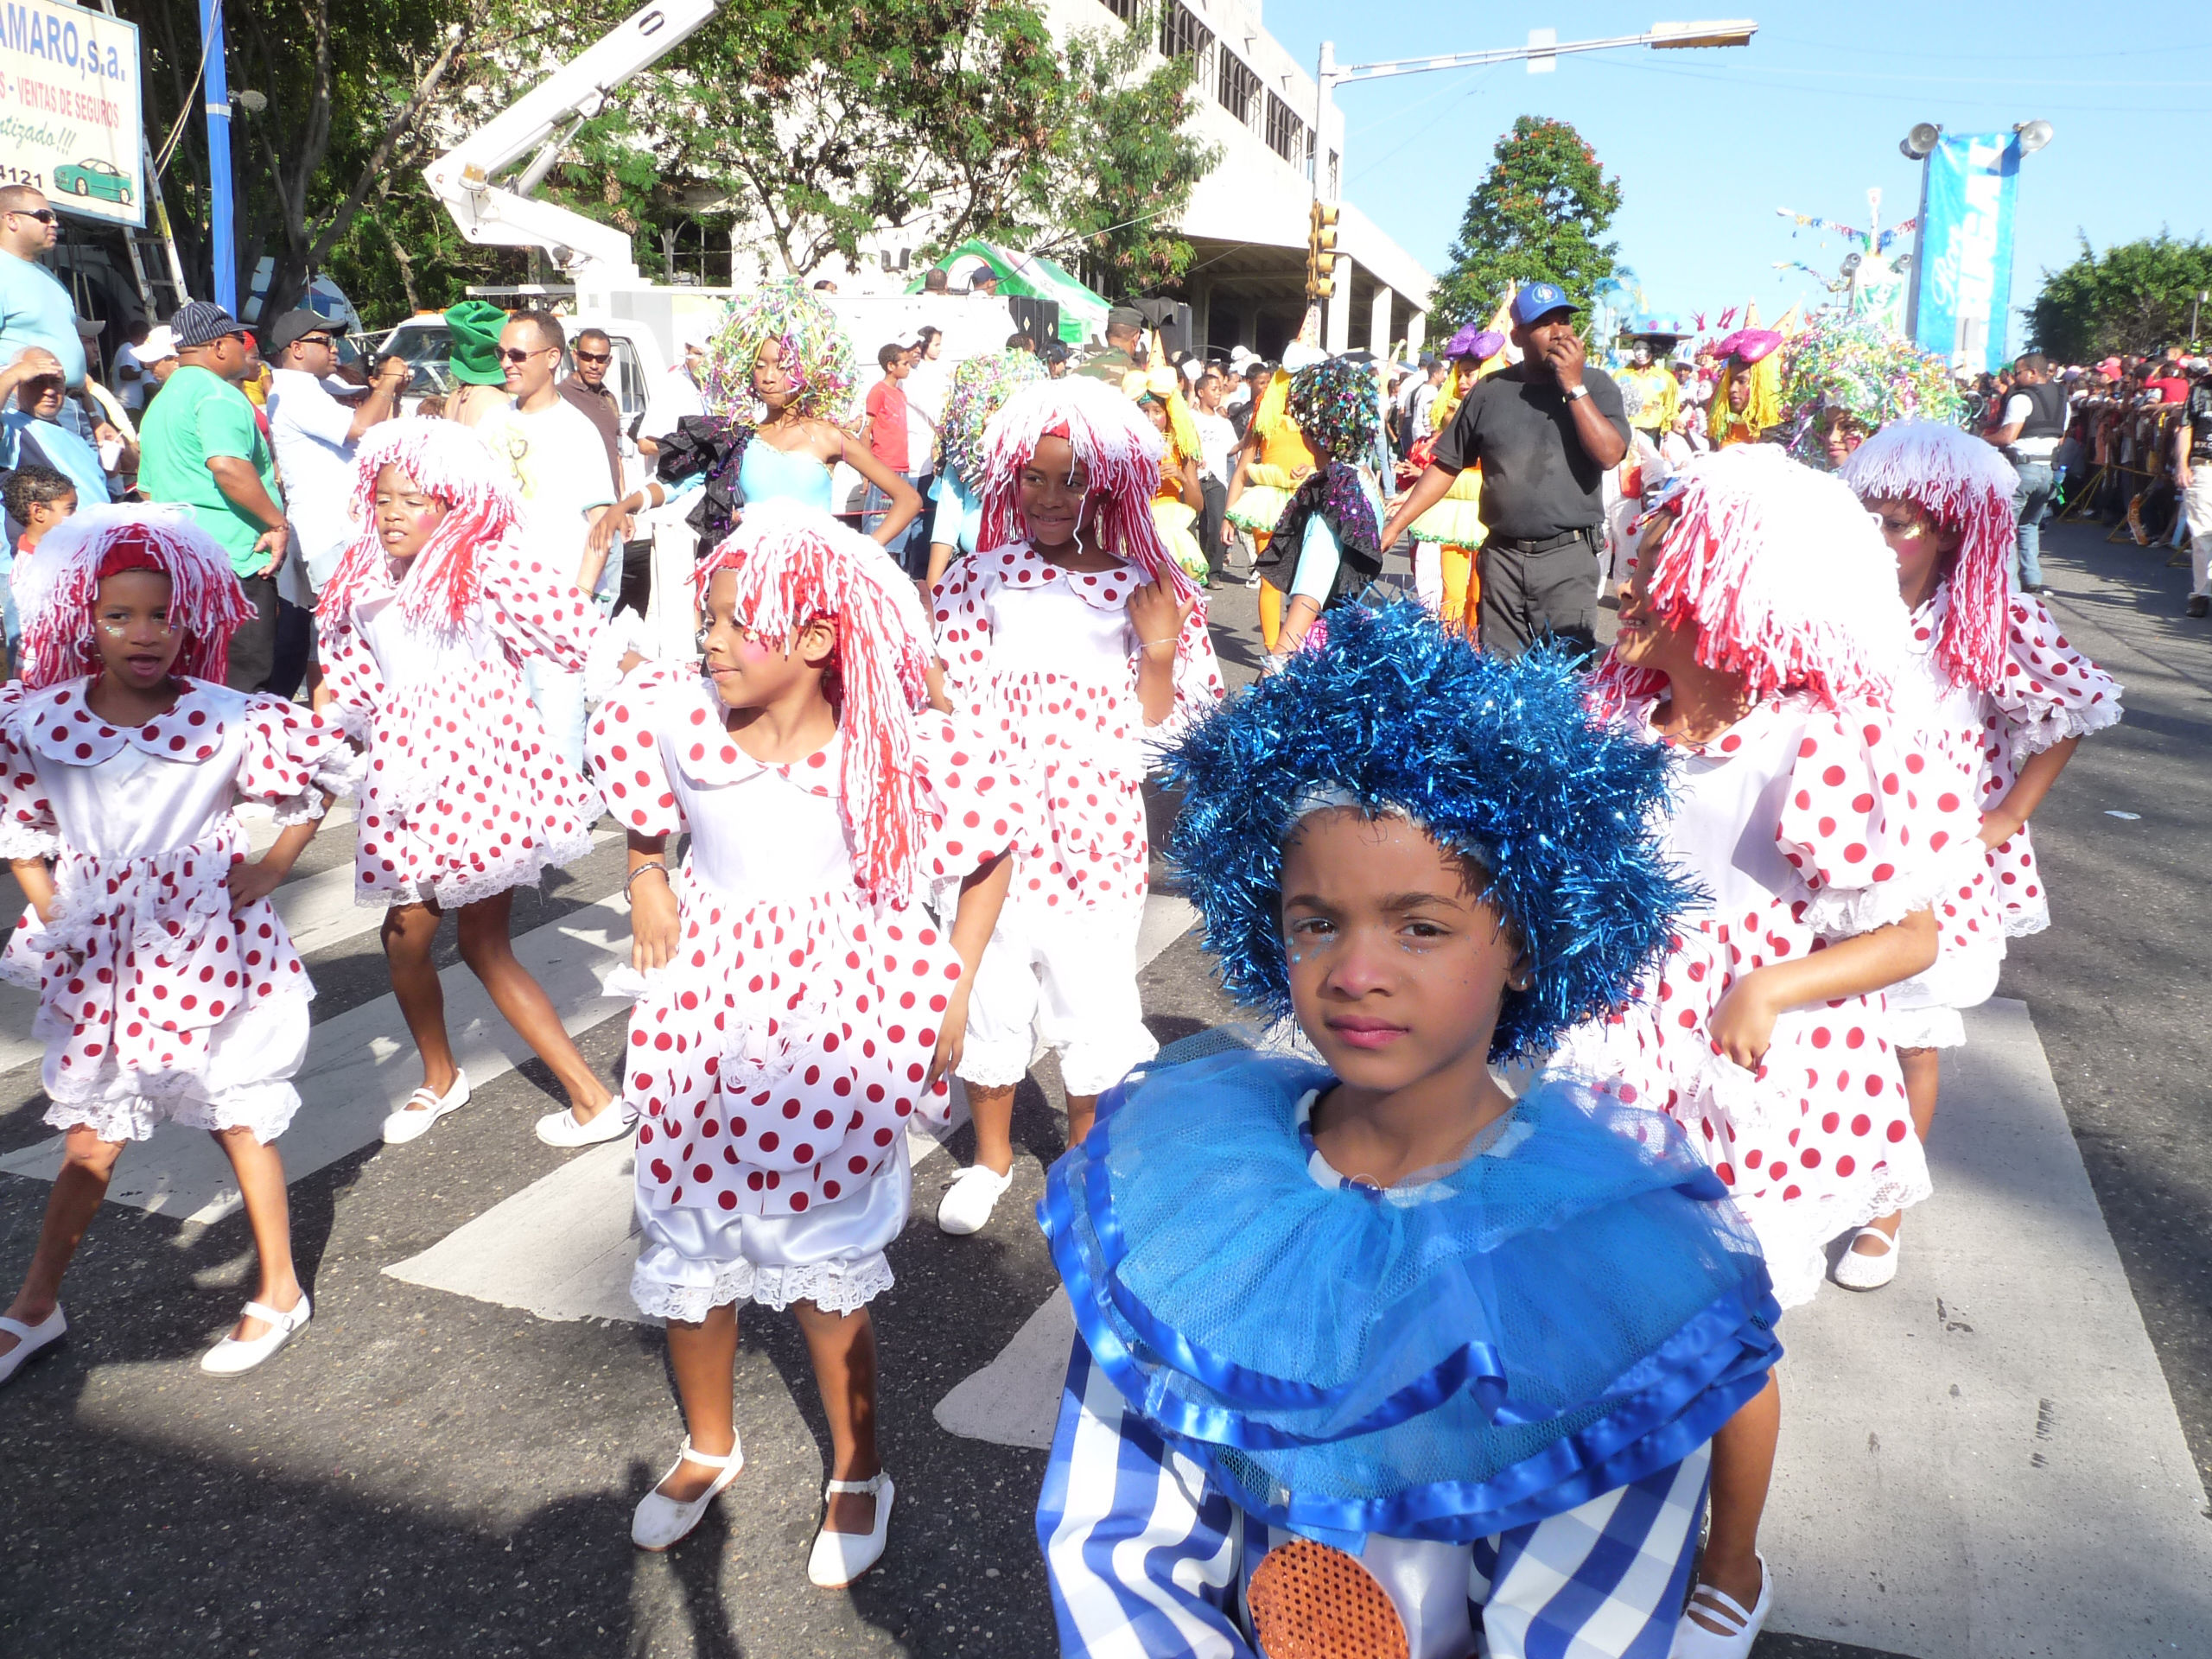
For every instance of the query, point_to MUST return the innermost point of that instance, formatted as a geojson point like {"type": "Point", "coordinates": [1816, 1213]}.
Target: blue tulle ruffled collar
{"type": "Point", "coordinates": [1571, 1305]}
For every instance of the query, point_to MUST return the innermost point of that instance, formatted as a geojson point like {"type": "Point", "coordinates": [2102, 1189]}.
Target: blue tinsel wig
{"type": "Point", "coordinates": [1501, 761]}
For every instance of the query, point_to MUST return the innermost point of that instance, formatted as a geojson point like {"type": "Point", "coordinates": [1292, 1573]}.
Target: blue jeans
{"type": "Point", "coordinates": [912, 550]}
{"type": "Point", "coordinates": [2030, 502]}
{"type": "Point", "coordinates": [558, 695]}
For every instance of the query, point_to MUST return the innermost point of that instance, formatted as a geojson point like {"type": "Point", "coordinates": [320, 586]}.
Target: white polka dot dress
{"type": "Point", "coordinates": [155, 1002]}
{"type": "Point", "coordinates": [775, 1064]}
{"type": "Point", "coordinates": [465, 795]}
{"type": "Point", "coordinates": [1805, 826]}
{"type": "Point", "coordinates": [1047, 660]}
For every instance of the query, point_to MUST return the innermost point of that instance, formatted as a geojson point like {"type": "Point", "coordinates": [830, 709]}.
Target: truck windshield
{"type": "Point", "coordinates": [423, 345]}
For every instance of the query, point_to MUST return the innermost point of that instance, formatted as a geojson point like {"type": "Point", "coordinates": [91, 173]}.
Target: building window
{"type": "Point", "coordinates": [1236, 86]}
{"type": "Point", "coordinates": [1180, 34]}
{"type": "Point", "coordinates": [1126, 10]}
{"type": "Point", "coordinates": [1286, 135]}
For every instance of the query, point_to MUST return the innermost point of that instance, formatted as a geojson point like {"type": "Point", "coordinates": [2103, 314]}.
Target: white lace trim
{"type": "Point", "coordinates": [2029, 733]}
{"type": "Point", "coordinates": [833, 1286]}
{"type": "Point", "coordinates": [264, 1108]}
{"type": "Point", "coordinates": [1837, 913]}
{"type": "Point", "coordinates": [20, 841]}
{"type": "Point", "coordinates": [1933, 1027]}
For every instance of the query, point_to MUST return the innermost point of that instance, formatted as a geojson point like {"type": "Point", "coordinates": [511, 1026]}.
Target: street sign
{"type": "Point", "coordinates": [70, 123]}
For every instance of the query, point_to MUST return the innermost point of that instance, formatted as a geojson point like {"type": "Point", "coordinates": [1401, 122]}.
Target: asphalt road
{"type": "Point", "coordinates": [426, 1474]}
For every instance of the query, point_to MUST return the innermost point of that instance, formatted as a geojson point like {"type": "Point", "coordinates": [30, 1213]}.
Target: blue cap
{"type": "Point", "coordinates": [1537, 299]}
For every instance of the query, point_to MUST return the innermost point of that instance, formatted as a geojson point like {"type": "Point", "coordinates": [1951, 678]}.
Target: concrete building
{"type": "Point", "coordinates": [1247, 219]}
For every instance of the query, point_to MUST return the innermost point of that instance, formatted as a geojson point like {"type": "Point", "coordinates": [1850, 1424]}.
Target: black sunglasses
{"type": "Point", "coordinates": [44, 215]}
{"type": "Point", "coordinates": [594, 358]}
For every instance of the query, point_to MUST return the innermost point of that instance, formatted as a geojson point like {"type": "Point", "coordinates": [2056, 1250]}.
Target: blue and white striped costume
{"type": "Point", "coordinates": [1148, 1559]}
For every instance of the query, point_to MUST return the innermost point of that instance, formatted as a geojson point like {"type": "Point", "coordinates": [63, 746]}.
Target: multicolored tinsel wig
{"type": "Point", "coordinates": [795, 565]}
{"type": "Point", "coordinates": [1858, 368]}
{"type": "Point", "coordinates": [1501, 760]}
{"type": "Point", "coordinates": [980, 386]}
{"type": "Point", "coordinates": [816, 353]}
{"type": "Point", "coordinates": [1119, 449]}
{"type": "Point", "coordinates": [58, 590]}
{"type": "Point", "coordinates": [1334, 405]}
{"type": "Point", "coordinates": [1785, 574]}
{"type": "Point", "coordinates": [1965, 487]}
{"type": "Point", "coordinates": [455, 465]}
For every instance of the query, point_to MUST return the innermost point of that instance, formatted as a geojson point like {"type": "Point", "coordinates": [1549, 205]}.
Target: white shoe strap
{"type": "Point", "coordinates": [873, 1486]}
{"type": "Point", "coordinates": [16, 1327]}
{"type": "Point", "coordinates": [270, 1315]}
{"type": "Point", "coordinates": [1889, 1241]}
{"type": "Point", "coordinates": [710, 1460]}
{"type": "Point", "coordinates": [1723, 1606]}
{"type": "Point", "coordinates": [423, 1099]}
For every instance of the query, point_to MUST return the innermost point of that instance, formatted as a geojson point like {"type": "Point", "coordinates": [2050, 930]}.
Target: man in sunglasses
{"type": "Point", "coordinates": [315, 433]}
{"type": "Point", "coordinates": [586, 387]}
{"type": "Point", "coordinates": [35, 309]}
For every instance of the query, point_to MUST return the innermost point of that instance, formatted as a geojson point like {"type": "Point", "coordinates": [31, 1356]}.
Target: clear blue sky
{"type": "Point", "coordinates": [1708, 145]}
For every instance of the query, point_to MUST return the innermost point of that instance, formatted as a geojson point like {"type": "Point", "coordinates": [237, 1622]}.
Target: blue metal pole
{"type": "Point", "coordinates": [223, 233]}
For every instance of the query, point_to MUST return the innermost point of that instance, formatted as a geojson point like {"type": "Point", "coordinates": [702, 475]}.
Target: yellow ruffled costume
{"type": "Point", "coordinates": [1270, 477]}
{"type": "Point", "coordinates": [1176, 517]}
{"type": "Point", "coordinates": [1454, 525]}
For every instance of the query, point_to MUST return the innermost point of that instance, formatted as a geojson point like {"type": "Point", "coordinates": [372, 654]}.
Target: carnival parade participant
{"type": "Point", "coordinates": [1325, 549]}
{"type": "Point", "coordinates": [1759, 639]}
{"type": "Point", "coordinates": [980, 386]}
{"type": "Point", "coordinates": [1179, 500]}
{"type": "Point", "coordinates": [2010, 700]}
{"type": "Point", "coordinates": [779, 380]}
{"type": "Point", "coordinates": [1844, 377]}
{"type": "Point", "coordinates": [1746, 402]}
{"type": "Point", "coordinates": [169, 989]}
{"type": "Point", "coordinates": [426, 626]}
{"type": "Point", "coordinates": [1078, 642]}
{"type": "Point", "coordinates": [1273, 457]}
{"type": "Point", "coordinates": [1658, 396]}
{"type": "Point", "coordinates": [798, 1007]}
{"type": "Point", "coordinates": [1448, 537]}
{"type": "Point", "coordinates": [1459, 1283]}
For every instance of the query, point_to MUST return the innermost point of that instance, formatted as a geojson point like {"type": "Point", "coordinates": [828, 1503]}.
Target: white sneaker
{"type": "Point", "coordinates": [30, 1340]}
{"type": "Point", "coordinates": [841, 1557]}
{"type": "Point", "coordinates": [232, 1358]}
{"type": "Point", "coordinates": [412, 1122]}
{"type": "Point", "coordinates": [968, 1203]}
{"type": "Point", "coordinates": [661, 1520]}
{"type": "Point", "coordinates": [1855, 1270]}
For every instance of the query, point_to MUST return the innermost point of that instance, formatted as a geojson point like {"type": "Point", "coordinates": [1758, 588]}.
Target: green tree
{"type": "Point", "coordinates": [2134, 298]}
{"type": "Point", "coordinates": [1537, 216]}
{"type": "Point", "coordinates": [1127, 160]}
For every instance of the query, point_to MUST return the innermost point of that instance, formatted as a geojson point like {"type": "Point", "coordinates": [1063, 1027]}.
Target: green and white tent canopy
{"type": "Point", "coordinates": [1082, 314]}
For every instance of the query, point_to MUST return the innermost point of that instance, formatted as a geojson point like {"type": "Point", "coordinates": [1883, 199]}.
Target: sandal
{"type": "Point", "coordinates": [1693, 1641]}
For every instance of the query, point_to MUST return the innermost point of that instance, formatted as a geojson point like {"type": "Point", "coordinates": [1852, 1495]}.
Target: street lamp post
{"type": "Point", "coordinates": [1542, 52]}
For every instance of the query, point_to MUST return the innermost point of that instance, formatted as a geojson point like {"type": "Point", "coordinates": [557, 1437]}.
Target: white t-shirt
{"type": "Point", "coordinates": [559, 462]}
{"type": "Point", "coordinates": [1424, 400]}
{"type": "Point", "coordinates": [134, 391]}
{"type": "Point", "coordinates": [1216, 439]}
{"type": "Point", "coordinates": [310, 429]}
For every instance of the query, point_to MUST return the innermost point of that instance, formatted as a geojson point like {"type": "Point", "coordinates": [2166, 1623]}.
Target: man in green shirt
{"type": "Point", "coordinates": [200, 446]}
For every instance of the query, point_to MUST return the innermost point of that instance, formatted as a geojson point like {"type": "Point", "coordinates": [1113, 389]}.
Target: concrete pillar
{"type": "Point", "coordinates": [1416, 334]}
{"type": "Point", "coordinates": [1378, 322]}
{"type": "Point", "coordinates": [1336, 326]}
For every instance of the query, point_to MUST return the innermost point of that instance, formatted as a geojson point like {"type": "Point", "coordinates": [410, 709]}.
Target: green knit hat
{"type": "Point", "coordinates": [472, 351]}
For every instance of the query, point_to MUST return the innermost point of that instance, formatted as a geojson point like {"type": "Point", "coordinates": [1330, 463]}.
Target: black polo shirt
{"type": "Point", "coordinates": [1537, 479]}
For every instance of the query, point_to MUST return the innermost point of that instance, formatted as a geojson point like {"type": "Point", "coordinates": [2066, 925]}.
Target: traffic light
{"type": "Point", "coordinates": [1321, 251]}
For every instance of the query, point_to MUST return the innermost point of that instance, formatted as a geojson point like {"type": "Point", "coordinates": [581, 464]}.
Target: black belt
{"type": "Point", "coordinates": [1542, 543]}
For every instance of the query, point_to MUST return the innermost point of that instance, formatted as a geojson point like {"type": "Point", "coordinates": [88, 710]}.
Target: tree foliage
{"type": "Point", "coordinates": [2131, 298]}
{"type": "Point", "coordinates": [1537, 216]}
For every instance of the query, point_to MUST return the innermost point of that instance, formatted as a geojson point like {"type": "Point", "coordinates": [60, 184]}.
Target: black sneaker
{"type": "Point", "coordinates": [2199, 604]}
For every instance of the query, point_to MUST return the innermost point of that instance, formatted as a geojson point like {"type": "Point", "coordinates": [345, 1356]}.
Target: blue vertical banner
{"type": "Point", "coordinates": [1964, 284]}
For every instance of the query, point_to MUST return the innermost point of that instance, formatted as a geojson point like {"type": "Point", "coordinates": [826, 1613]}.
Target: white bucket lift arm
{"type": "Point", "coordinates": [543, 119]}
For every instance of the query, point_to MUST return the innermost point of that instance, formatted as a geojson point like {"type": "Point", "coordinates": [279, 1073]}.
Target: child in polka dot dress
{"type": "Point", "coordinates": [2006, 698]}
{"type": "Point", "coordinates": [1075, 637]}
{"type": "Point", "coordinates": [168, 989]}
{"type": "Point", "coordinates": [425, 626]}
{"type": "Point", "coordinates": [800, 1006]}
{"type": "Point", "coordinates": [1759, 634]}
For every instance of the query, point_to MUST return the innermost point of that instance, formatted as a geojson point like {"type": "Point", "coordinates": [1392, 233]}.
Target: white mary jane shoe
{"type": "Point", "coordinates": [1857, 1271]}
{"type": "Point", "coordinates": [30, 1340]}
{"type": "Point", "coordinates": [1693, 1641]}
{"type": "Point", "coordinates": [968, 1203]}
{"type": "Point", "coordinates": [660, 1520]}
{"type": "Point", "coordinates": [841, 1557]}
{"type": "Point", "coordinates": [230, 1357]}
{"type": "Point", "coordinates": [412, 1122]}
{"type": "Point", "coordinates": [562, 1129]}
